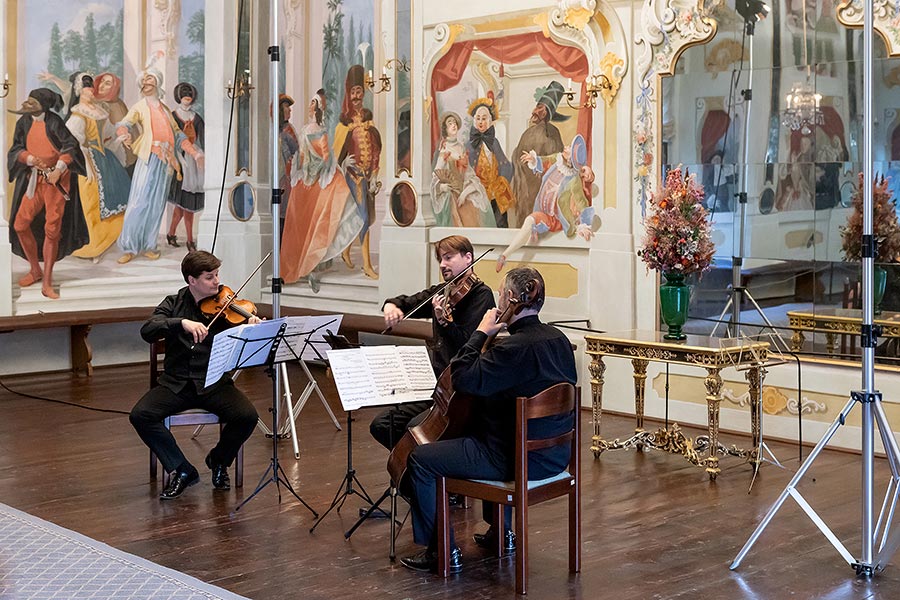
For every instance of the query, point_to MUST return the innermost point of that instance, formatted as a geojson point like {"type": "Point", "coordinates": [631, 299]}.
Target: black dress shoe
{"type": "Point", "coordinates": [179, 482]}
{"type": "Point", "coordinates": [220, 478]}
{"type": "Point", "coordinates": [488, 540]}
{"type": "Point", "coordinates": [426, 560]}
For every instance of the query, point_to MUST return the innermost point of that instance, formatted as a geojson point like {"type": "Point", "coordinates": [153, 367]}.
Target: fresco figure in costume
{"type": "Point", "coordinates": [105, 186]}
{"type": "Point", "coordinates": [187, 195]}
{"type": "Point", "coordinates": [289, 143]}
{"type": "Point", "coordinates": [457, 195]}
{"type": "Point", "coordinates": [107, 87]}
{"type": "Point", "coordinates": [151, 131]}
{"type": "Point", "coordinates": [542, 137]}
{"type": "Point", "coordinates": [320, 203]}
{"type": "Point", "coordinates": [487, 158]}
{"type": "Point", "coordinates": [46, 217]}
{"type": "Point", "coordinates": [357, 144]}
{"type": "Point", "coordinates": [564, 200]}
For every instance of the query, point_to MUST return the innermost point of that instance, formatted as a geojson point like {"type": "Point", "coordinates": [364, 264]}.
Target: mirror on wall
{"type": "Point", "coordinates": [798, 164]}
{"type": "Point", "coordinates": [242, 201]}
{"type": "Point", "coordinates": [402, 85]}
{"type": "Point", "coordinates": [404, 203]}
{"type": "Point", "coordinates": [242, 92]}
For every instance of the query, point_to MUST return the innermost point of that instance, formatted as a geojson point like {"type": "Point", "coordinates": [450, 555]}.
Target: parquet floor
{"type": "Point", "coordinates": [653, 526]}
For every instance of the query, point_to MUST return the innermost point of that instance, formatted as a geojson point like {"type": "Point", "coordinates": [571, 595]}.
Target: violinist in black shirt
{"type": "Point", "coordinates": [534, 357]}
{"type": "Point", "coordinates": [452, 324]}
{"type": "Point", "coordinates": [179, 320]}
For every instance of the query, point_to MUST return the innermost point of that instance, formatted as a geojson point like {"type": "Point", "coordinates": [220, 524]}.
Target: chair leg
{"type": "Point", "coordinates": [500, 529]}
{"type": "Point", "coordinates": [522, 548]}
{"type": "Point", "coordinates": [574, 531]}
{"type": "Point", "coordinates": [239, 468]}
{"type": "Point", "coordinates": [442, 521]}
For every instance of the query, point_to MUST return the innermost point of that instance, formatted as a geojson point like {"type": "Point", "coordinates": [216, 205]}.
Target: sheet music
{"type": "Point", "coordinates": [378, 375]}
{"type": "Point", "coordinates": [248, 345]}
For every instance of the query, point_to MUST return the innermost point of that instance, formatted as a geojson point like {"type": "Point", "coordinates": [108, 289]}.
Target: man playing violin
{"type": "Point", "coordinates": [534, 357]}
{"type": "Point", "coordinates": [188, 335]}
{"type": "Point", "coordinates": [454, 317]}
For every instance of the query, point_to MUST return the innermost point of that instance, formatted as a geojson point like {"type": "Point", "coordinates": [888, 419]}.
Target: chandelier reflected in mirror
{"type": "Point", "coordinates": [802, 112]}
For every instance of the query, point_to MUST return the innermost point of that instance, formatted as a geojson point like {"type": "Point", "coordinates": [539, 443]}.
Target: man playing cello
{"type": "Point", "coordinates": [534, 357]}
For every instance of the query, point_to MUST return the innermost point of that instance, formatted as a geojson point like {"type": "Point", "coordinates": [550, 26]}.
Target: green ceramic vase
{"type": "Point", "coordinates": [674, 297]}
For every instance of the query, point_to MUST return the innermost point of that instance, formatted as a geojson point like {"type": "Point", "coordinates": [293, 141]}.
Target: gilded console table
{"type": "Point", "coordinates": [712, 354]}
{"type": "Point", "coordinates": [837, 321]}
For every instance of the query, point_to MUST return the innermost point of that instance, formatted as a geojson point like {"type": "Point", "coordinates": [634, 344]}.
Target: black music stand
{"type": "Point", "coordinates": [346, 488]}
{"type": "Point", "coordinates": [265, 352]}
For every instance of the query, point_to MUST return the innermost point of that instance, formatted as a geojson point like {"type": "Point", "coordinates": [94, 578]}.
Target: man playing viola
{"type": "Point", "coordinates": [533, 358]}
{"type": "Point", "coordinates": [449, 331]}
{"type": "Point", "coordinates": [188, 335]}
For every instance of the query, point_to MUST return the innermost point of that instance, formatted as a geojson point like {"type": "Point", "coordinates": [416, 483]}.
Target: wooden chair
{"type": "Point", "coordinates": [521, 493]}
{"type": "Point", "coordinates": [193, 417]}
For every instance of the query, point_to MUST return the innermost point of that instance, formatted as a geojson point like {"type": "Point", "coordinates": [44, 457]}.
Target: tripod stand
{"type": "Point", "coordinates": [869, 399]}
{"type": "Point", "coordinates": [346, 488]}
{"type": "Point", "coordinates": [274, 473]}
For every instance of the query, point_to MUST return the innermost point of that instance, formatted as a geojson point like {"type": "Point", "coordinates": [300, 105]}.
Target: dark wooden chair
{"type": "Point", "coordinates": [521, 493]}
{"type": "Point", "coordinates": [193, 417]}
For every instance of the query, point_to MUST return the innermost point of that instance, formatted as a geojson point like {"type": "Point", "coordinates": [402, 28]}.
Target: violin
{"type": "Point", "coordinates": [452, 295]}
{"type": "Point", "coordinates": [226, 304]}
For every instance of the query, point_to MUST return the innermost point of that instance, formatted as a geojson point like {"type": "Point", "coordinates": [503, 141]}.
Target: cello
{"type": "Point", "coordinates": [448, 418]}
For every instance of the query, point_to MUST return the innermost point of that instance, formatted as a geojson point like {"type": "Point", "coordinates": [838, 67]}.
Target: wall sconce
{"type": "Point", "coordinates": [243, 87]}
{"type": "Point", "coordinates": [401, 65]}
{"type": "Point", "coordinates": [384, 81]}
{"type": "Point", "coordinates": [4, 86]}
{"type": "Point", "coordinates": [595, 85]}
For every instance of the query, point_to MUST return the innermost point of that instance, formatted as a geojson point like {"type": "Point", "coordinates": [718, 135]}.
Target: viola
{"type": "Point", "coordinates": [452, 295]}
{"type": "Point", "coordinates": [448, 418]}
{"type": "Point", "coordinates": [227, 305]}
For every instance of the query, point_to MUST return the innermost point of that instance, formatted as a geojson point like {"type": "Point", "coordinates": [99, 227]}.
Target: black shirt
{"type": "Point", "coordinates": [533, 358]}
{"type": "Point", "coordinates": [186, 361]}
{"type": "Point", "coordinates": [448, 339]}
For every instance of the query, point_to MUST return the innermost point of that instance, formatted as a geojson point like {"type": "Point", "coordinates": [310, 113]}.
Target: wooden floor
{"type": "Point", "coordinates": [653, 526]}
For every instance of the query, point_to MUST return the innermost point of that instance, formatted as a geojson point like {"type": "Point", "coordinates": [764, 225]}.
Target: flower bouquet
{"type": "Point", "coordinates": [676, 243]}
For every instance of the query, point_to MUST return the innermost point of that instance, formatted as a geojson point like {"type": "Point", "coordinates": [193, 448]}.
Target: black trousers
{"type": "Point", "coordinates": [226, 401]}
{"type": "Point", "coordinates": [388, 430]}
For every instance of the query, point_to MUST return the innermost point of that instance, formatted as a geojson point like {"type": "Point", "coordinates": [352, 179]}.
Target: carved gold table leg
{"type": "Point", "coordinates": [830, 342]}
{"type": "Point", "coordinates": [640, 380]}
{"type": "Point", "coordinates": [797, 340]}
{"type": "Point", "coordinates": [754, 379]}
{"type": "Point", "coordinates": [597, 368]}
{"type": "Point", "coordinates": [713, 398]}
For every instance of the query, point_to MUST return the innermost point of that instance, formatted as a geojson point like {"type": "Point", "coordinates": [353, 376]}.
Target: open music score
{"type": "Point", "coordinates": [248, 345]}
{"type": "Point", "coordinates": [377, 375]}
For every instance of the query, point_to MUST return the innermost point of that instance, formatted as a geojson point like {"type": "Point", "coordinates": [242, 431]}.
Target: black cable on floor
{"type": "Point", "coordinates": [66, 402]}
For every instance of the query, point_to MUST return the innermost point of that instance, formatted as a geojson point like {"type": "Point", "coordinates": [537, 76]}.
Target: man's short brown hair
{"type": "Point", "coordinates": [453, 243]}
{"type": "Point", "coordinates": [197, 262]}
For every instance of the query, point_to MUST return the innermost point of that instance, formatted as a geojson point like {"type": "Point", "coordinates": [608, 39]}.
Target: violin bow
{"type": "Point", "coordinates": [439, 290]}
{"type": "Point", "coordinates": [234, 297]}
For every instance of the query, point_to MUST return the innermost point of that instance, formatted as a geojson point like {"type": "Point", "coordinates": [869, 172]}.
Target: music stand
{"type": "Point", "coordinates": [238, 350]}
{"type": "Point", "coordinates": [345, 488]}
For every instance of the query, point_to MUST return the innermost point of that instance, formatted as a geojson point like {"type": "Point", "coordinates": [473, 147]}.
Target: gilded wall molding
{"type": "Point", "coordinates": [667, 28]}
{"type": "Point", "coordinates": [885, 20]}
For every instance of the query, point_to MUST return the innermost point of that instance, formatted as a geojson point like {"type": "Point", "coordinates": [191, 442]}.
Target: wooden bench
{"type": "Point", "coordinates": [79, 324]}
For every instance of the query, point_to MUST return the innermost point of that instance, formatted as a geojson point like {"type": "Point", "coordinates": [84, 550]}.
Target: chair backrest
{"type": "Point", "coordinates": [157, 352]}
{"type": "Point", "coordinates": [560, 399]}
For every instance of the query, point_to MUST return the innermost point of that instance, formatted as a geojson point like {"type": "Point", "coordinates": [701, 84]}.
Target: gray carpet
{"type": "Point", "coordinates": [41, 560]}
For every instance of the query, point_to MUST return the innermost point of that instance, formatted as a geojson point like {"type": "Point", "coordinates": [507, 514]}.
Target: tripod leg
{"type": "Point", "coordinates": [290, 488]}
{"type": "Point", "coordinates": [789, 491]}
{"type": "Point", "coordinates": [721, 316]}
{"type": "Point", "coordinates": [393, 550]}
{"type": "Point", "coordinates": [315, 388]}
{"type": "Point", "coordinates": [290, 412]}
{"type": "Point", "coordinates": [375, 506]}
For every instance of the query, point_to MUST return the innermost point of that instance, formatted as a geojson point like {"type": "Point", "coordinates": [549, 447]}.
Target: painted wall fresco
{"type": "Point", "coordinates": [95, 187]}
{"type": "Point", "coordinates": [332, 162]}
